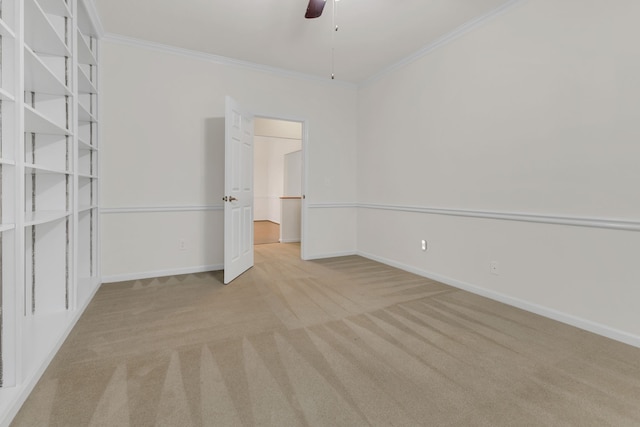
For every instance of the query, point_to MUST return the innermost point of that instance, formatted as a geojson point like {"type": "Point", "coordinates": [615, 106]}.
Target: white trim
{"type": "Point", "coordinates": [304, 215]}
{"type": "Point", "coordinates": [607, 223]}
{"type": "Point", "coordinates": [277, 137]}
{"type": "Point", "coordinates": [161, 273]}
{"type": "Point", "coordinates": [441, 41]}
{"type": "Point", "coordinates": [332, 205]}
{"type": "Point", "coordinates": [222, 60]}
{"type": "Point", "coordinates": [550, 313]}
{"type": "Point", "coordinates": [144, 209]}
{"type": "Point", "coordinates": [289, 240]}
{"type": "Point", "coordinates": [330, 255]}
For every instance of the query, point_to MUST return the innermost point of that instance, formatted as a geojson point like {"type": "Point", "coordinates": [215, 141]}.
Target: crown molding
{"type": "Point", "coordinates": [442, 41]}
{"type": "Point", "coordinates": [222, 60]}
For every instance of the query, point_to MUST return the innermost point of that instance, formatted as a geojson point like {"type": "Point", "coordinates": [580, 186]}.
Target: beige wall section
{"type": "Point", "coordinates": [537, 111]}
{"type": "Point", "coordinates": [340, 223]}
{"type": "Point", "coordinates": [277, 128]}
{"type": "Point", "coordinates": [161, 146]}
{"type": "Point", "coordinates": [147, 244]}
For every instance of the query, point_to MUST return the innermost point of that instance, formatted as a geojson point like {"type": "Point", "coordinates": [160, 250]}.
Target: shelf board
{"type": "Point", "coordinates": [43, 169]}
{"type": "Point", "coordinates": [85, 55]}
{"type": "Point", "coordinates": [37, 123]}
{"type": "Point", "coordinates": [83, 145]}
{"type": "Point", "coordinates": [39, 34]}
{"type": "Point", "coordinates": [7, 227]}
{"type": "Point", "coordinates": [39, 78]}
{"type": "Point", "coordinates": [84, 115]}
{"type": "Point", "coordinates": [5, 95]}
{"type": "Point", "coordinates": [43, 217]}
{"type": "Point", "coordinates": [86, 208]}
{"type": "Point", "coordinates": [55, 7]}
{"type": "Point", "coordinates": [85, 85]}
{"type": "Point", "coordinates": [5, 30]}
{"type": "Point", "coordinates": [7, 162]}
{"type": "Point", "coordinates": [87, 176]}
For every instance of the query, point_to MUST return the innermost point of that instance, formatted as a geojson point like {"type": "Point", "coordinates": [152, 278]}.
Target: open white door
{"type": "Point", "coordinates": [238, 190]}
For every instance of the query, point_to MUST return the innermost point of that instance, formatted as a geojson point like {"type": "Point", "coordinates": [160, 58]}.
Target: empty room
{"type": "Point", "coordinates": [319, 213]}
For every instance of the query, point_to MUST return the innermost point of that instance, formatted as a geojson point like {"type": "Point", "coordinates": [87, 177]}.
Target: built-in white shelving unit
{"type": "Point", "coordinates": [49, 170]}
{"type": "Point", "coordinates": [87, 152]}
{"type": "Point", "coordinates": [10, 225]}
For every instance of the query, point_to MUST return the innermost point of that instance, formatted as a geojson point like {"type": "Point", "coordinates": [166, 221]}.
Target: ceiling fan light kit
{"type": "Point", "coordinates": [314, 9]}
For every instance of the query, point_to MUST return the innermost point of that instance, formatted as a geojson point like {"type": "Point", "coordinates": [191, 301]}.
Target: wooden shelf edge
{"type": "Point", "coordinates": [64, 90]}
{"type": "Point", "coordinates": [5, 30]}
{"type": "Point", "coordinates": [44, 217]}
{"type": "Point", "coordinates": [6, 96]}
{"type": "Point", "coordinates": [46, 169]}
{"type": "Point", "coordinates": [7, 227]}
{"type": "Point", "coordinates": [45, 125]}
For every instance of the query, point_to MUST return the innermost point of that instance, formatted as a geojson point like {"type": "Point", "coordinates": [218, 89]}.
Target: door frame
{"type": "Point", "coordinates": [304, 146]}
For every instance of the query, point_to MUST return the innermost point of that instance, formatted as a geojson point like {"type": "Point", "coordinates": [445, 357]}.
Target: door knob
{"type": "Point", "coordinates": [232, 199]}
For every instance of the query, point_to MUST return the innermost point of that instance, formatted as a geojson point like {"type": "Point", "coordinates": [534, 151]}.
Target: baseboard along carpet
{"type": "Point", "coordinates": [336, 342]}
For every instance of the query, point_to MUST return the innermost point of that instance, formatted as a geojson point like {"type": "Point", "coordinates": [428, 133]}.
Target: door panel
{"type": "Point", "coordinates": [238, 184]}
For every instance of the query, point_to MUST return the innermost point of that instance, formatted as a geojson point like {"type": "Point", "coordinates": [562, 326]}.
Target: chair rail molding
{"type": "Point", "coordinates": [607, 223]}
{"type": "Point", "coordinates": [150, 209]}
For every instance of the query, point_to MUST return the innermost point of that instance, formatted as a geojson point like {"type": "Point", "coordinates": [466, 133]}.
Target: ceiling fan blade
{"type": "Point", "coordinates": [314, 9]}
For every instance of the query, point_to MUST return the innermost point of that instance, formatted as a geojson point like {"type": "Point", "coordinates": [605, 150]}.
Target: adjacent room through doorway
{"type": "Point", "coordinates": [277, 174]}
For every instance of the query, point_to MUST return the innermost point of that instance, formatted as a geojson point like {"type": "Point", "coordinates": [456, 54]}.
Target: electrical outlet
{"type": "Point", "coordinates": [494, 268]}
{"type": "Point", "coordinates": [181, 245]}
{"type": "Point", "coordinates": [424, 245]}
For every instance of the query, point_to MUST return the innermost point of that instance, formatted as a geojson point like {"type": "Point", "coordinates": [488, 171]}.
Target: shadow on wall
{"type": "Point", "coordinates": [214, 189]}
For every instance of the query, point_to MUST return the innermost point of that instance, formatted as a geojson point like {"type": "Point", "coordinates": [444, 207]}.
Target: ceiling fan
{"type": "Point", "coordinates": [314, 9]}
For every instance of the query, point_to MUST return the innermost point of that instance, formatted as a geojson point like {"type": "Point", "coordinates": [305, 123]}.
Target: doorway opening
{"type": "Point", "coordinates": [277, 181]}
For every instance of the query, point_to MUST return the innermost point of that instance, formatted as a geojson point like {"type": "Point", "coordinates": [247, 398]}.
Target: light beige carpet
{"type": "Point", "coordinates": [338, 342]}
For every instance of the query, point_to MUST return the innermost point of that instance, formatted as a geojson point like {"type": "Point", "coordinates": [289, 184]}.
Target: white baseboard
{"type": "Point", "coordinates": [290, 240]}
{"type": "Point", "coordinates": [161, 273]}
{"type": "Point", "coordinates": [330, 255]}
{"type": "Point", "coordinates": [578, 322]}
{"type": "Point", "coordinates": [16, 396]}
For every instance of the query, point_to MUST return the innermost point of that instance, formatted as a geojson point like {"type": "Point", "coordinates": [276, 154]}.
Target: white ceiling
{"type": "Point", "coordinates": [373, 34]}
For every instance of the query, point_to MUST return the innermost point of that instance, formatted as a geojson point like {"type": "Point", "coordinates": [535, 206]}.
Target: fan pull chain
{"type": "Point", "coordinates": [333, 38]}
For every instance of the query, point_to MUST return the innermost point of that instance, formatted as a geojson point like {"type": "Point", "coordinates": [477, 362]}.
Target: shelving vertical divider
{"type": "Point", "coordinates": [87, 154]}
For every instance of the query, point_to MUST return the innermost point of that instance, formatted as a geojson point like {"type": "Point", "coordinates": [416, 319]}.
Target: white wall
{"type": "Point", "coordinates": [535, 112]}
{"type": "Point", "coordinates": [269, 174]}
{"type": "Point", "coordinates": [278, 128]}
{"type": "Point", "coordinates": [293, 174]}
{"type": "Point", "coordinates": [162, 156]}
